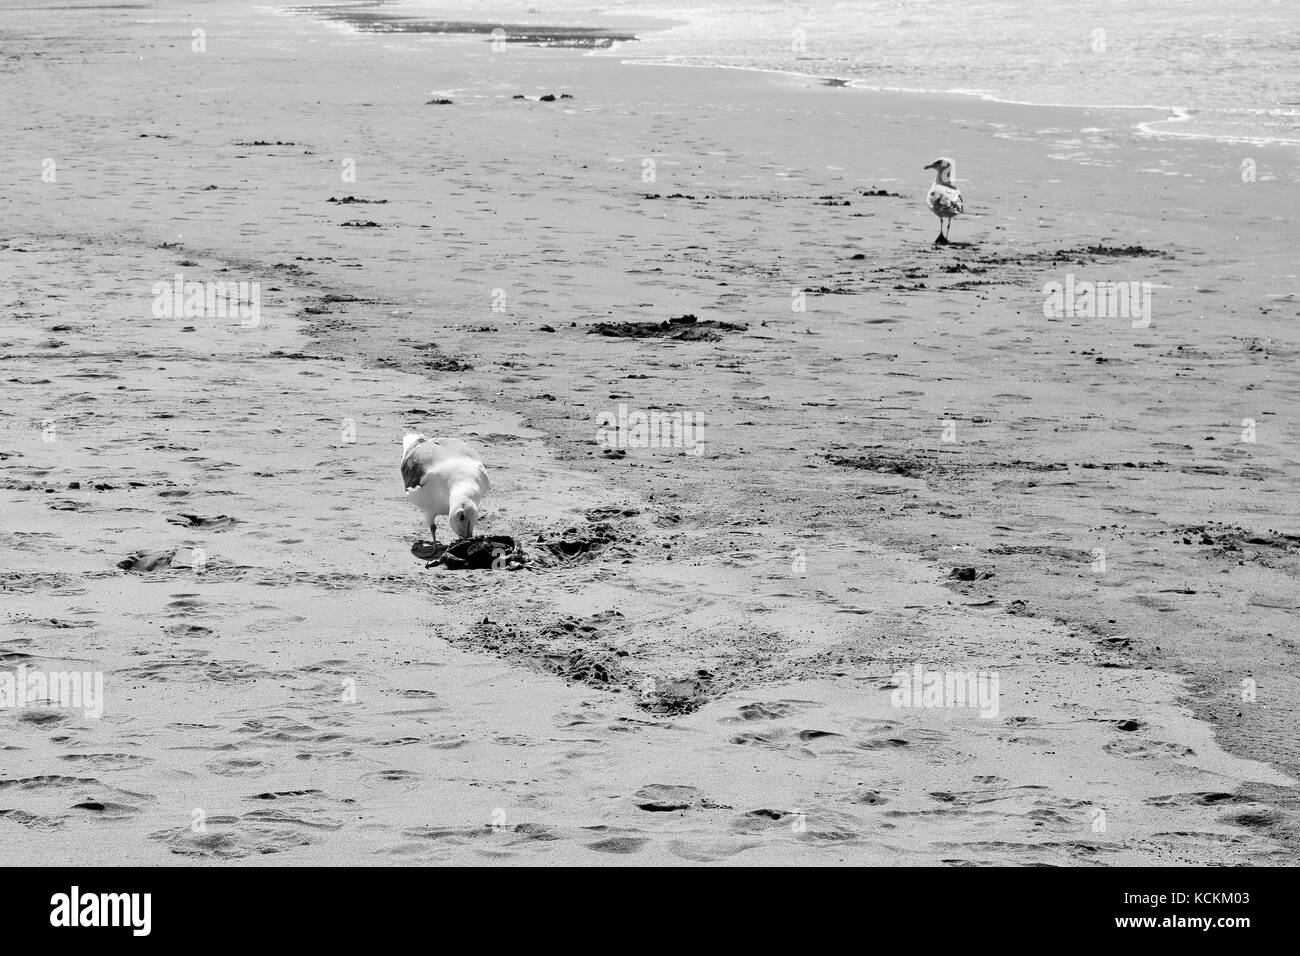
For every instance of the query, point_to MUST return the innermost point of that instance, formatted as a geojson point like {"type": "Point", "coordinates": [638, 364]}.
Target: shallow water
{"type": "Point", "coordinates": [1225, 69]}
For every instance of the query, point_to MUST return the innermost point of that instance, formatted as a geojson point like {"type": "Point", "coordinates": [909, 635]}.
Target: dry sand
{"type": "Point", "coordinates": [672, 685]}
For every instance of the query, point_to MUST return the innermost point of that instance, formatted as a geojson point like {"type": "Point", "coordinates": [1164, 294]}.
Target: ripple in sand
{"type": "Point", "coordinates": [221, 844]}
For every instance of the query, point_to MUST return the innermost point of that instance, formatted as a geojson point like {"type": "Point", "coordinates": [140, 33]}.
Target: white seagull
{"type": "Point", "coordinates": [944, 199]}
{"type": "Point", "coordinates": [444, 476]}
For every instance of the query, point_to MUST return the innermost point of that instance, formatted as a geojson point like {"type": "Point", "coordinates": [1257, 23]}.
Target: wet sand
{"type": "Point", "coordinates": [698, 664]}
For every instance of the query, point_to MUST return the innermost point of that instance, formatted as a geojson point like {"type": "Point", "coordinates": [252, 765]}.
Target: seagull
{"type": "Point", "coordinates": [444, 476]}
{"type": "Point", "coordinates": [944, 199]}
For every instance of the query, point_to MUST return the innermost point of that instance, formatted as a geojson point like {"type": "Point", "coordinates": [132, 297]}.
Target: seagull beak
{"type": "Point", "coordinates": [931, 166]}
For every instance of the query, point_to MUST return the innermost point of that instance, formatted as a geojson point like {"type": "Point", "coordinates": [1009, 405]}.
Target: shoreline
{"type": "Point", "coordinates": [543, 388]}
{"type": "Point", "coordinates": [1172, 113]}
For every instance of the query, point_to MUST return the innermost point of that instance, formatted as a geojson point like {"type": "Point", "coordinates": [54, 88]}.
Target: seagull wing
{"type": "Point", "coordinates": [415, 465]}
{"type": "Point", "coordinates": [428, 455]}
{"type": "Point", "coordinates": [946, 202]}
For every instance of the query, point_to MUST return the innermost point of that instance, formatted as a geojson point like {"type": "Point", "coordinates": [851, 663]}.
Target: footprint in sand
{"type": "Point", "coordinates": [194, 665]}
{"type": "Point", "coordinates": [237, 767]}
{"type": "Point", "coordinates": [769, 710]}
{"type": "Point", "coordinates": [817, 825]}
{"type": "Point", "coordinates": [1139, 749]}
{"type": "Point", "coordinates": [228, 838]}
{"type": "Point", "coordinates": [667, 797]}
{"type": "Point", "coordinates": [392, 779]}
{"type": "Point", "coordinates": [32, 821]}
{"type": "Point", "coordinates": [490, 839]}
{"type": "Point", "coordinates": [41, 718]}
{"type": "Point", "coordinates": [711, 851]}
{"type": "Point", "coordinates": [796, 742]}
{"type": "Point", "coordinates": [29, 582]}
{"type": "Point", "coordinates": [107, 809]}
{"type": "Point", "coordinates": [920, 743]}
{"type": "Point", "coordinates": [50, 800]}
{"type": "Point", "coordinates": [1011, 853]}
{"type": "Point", "coordinates": [107, 761]}
{"type": "Point", "coordinates": [1211, 798]}
{"type": "Point", "coordinates": [301, 815]}
{"type": "Point", "coordinates": [869, 797]}
{"type": "Point", "coordinates": [617, 843]}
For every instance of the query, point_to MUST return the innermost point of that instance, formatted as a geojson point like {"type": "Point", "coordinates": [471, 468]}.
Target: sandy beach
{"type": "Point", "coordinates": [902, 462]}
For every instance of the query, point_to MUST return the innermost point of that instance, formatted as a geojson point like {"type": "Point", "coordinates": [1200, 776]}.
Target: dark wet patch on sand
{"type": "Point", "coordinates": [369, 21]}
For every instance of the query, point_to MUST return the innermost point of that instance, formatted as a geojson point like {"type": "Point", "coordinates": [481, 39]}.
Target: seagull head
{"type": "Point", "coordinates": [943, 167]}
{"type": "Point", "coordinates": [463, 517]}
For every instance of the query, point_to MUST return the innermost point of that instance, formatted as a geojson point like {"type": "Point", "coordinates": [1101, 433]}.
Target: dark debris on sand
{"type": "Point", "coordinates": [1077, 254]}
{"type": "Point", "coordinates": [970, 573]}
{"type": "Point", "coordinates": [431, 358]}
{"type": "Point", "coordinates": [590, 651]}
{"type": "Point", "coordinates": [147, 561]}
{"type": "Point", "coordinates": [600, 650]}
{"type": "Point", "coordinates": [576, 649]}
{"type": "Point", "coordinates": [494, 552]}
{"type": "Point", "coordinates": [686, 328]}
{"type": "Point", "coordinates": [1236, 541]}
{"type": "Point", "coordinates": [214, 522]}
{"type": "Point", "coordinates": [448, 363]}
{"type": "Point", "coordinates": [885, 463]}
{"type": "Point", "coordinates": [572, 546]}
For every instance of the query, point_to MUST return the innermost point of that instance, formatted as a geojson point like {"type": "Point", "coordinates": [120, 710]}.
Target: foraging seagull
{"type": "Point", "coordinates": [944, 199]}
{"type": "Point", "coordinates": [444, 476]}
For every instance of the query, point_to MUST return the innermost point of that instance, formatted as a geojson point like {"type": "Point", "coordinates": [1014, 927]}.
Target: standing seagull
{"type": "Point", "coordinates": [944, 199]}
{"type": "Point", "coordinates": [444, 476]}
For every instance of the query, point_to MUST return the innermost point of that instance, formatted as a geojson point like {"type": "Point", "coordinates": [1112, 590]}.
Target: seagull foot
{"type": "Point", "coordinates": [941, 241]}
